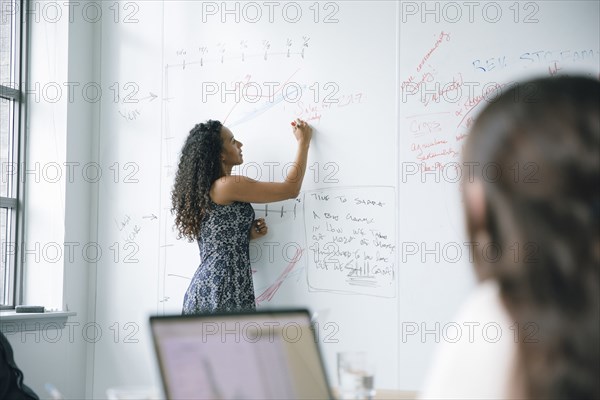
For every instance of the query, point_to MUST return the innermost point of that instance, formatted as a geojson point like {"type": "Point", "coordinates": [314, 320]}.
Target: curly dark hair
{"type": "Point", "coordinates": [543, 136]}
{"type": "Point", "coordinates": [199, 166]}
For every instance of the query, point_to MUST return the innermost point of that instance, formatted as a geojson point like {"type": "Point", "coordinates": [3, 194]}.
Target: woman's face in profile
{"type": "Point", "coordinates": [232, 149]}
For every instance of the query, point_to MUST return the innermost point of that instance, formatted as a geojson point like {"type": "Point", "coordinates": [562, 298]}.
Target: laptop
{"type": "Point", "coordinates": [243, 355]}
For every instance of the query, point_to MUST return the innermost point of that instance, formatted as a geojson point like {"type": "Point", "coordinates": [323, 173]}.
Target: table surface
{"type": "Point", "coordinates": [389, 394]}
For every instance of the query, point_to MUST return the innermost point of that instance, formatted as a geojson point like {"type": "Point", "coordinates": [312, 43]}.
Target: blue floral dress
{"type": "Point", "coordinates": [223, 281]}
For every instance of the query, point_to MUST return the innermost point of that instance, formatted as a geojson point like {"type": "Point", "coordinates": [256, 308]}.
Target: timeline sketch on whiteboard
{"type": "Point", "coordinates": [242, 51]}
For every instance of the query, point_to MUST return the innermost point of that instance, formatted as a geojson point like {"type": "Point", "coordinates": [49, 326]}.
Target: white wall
{"type": "Point", "coordinates": [62, 129]}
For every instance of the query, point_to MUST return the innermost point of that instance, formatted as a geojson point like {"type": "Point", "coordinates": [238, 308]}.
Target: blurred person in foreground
{"type": "Point", "coordinates": [540, 209]}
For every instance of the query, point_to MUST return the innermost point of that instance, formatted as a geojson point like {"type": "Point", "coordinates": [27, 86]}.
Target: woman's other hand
{"type": "Point", "coordinates": [258, 229]}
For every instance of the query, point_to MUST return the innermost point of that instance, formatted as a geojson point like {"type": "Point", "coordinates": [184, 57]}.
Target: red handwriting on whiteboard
{"type": "Point", "coordinates": [424, 127]}
{"type": "Point", "coordinates": [449, 151]}
{"type": "Point", "coordinates": [314, 111]}
{"type": "Point", "coordinates": [437, 166]}
{"type": "Point", "coordinates": [441, 38]}
{"type": "Point", "coordinates": [471, 103]}
{"type": "Point", "coordinates": [413, 85]}
{"type": "Point", "coordinates": [419, 148]}
{"type": "Point", "coordinates": [442, 91]}
{"type": "Point", "coordinates": [553, 69]}
{"type": "Point", "coordinates": [461, 137]}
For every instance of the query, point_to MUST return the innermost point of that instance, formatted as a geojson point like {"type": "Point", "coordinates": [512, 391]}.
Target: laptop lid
{"type": "Point", "coordinates": [247, 355]}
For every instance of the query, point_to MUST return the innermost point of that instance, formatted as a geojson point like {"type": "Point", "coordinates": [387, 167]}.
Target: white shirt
{"type": "Point", "coordinates": [480, 364]}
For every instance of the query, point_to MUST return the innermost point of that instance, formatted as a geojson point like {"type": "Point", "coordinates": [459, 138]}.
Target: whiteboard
{"type": "Point", "coordinates": [374, 244]}
{"type": "Point", "coordinates": [455, 58]}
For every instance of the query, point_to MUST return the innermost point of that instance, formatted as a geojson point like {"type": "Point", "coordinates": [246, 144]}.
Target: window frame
{"type": "Point", "coordinates": [13, 277]}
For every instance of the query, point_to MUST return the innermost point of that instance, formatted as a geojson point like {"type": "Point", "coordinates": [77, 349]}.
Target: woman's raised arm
{"type": "Point", "coordinates": [232, 188]}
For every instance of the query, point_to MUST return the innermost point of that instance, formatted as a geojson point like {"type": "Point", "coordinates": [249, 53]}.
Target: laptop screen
{"type": "Point", "coordinates": [258, 355]}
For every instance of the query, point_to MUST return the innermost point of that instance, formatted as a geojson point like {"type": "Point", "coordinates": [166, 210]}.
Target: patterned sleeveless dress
{"type": "Point", "coordinates": [223, 281]}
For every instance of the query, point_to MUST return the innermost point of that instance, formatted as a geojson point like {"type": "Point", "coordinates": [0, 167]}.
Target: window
{"type": "Point", "coordinates": [12, 73]}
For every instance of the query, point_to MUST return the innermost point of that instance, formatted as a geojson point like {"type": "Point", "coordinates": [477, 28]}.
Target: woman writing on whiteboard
{"type": "Point", "coordinates": [539, 290]}
{"type": "Point", "coordinates": [212, 206]}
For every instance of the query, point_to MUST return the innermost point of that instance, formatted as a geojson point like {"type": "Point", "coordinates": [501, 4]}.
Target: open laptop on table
{"type": "Point", "coordinates": [248, 355]}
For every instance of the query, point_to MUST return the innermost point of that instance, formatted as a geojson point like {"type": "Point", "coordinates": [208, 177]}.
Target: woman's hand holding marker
{"type": "Point", "coordinates": [302, 131]}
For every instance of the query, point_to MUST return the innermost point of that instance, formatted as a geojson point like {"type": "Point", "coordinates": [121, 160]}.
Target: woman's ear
{"type": "Point", "coordinates": [475, 208]}
{"type": "Point", "coordinates": [475, 204]}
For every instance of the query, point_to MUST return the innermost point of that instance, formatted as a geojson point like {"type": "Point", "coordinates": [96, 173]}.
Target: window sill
{"type": "Point", "coordinates": [11, 322]}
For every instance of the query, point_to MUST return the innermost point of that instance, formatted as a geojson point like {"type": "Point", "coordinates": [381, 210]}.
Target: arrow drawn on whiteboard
{"type": "Point", "coordinates": [272, 290]}
{"type": "Point", "coordinates": [132, 114]}
{"type": "Point", "coordinates": [180, 276]}
{"type": "Point", "coordinates": [266, 106]}
{"type": "Point", "coordinates": [151, 216]}
{"type": "Point", "coordinates": [258, 111]}
{"type": "Point", "coordinates": [151, 97]}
